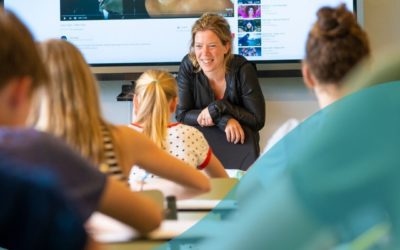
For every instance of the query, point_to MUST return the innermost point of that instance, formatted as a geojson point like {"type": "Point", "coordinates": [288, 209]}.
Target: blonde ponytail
{"type": "Point", "coordinates": [154, 90]}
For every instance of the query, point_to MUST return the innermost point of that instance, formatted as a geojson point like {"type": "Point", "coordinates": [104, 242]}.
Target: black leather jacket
{"type": "Point", "coordinates": [243, 98]}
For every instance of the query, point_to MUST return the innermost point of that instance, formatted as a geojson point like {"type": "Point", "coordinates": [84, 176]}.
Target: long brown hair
{"type": "Point", "coordinates": [335, 44]}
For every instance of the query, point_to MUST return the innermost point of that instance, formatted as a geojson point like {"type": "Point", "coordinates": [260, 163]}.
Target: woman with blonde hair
{"type": "Point", "coordinates": [68, 107]}
{"type": "Point", "coordinates": [218, 89]}
{"type": "Point", "coordinates": [155, 99]}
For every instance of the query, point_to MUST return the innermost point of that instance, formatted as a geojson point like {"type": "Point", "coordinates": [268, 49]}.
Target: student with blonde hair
{"type": "Point", "coordinates": [68, 107]}
{"type": "Point", "coordinates": [154, 101]}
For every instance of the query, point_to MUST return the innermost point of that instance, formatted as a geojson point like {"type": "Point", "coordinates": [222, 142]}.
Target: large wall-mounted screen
{"type": "Point", "coordinates": [129, 32]}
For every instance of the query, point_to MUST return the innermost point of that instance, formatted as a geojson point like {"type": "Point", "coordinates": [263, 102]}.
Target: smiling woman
{"type": "Point", "coordinates": [209, 52]}
{"type": "Point", "coordinates": [217, 88]}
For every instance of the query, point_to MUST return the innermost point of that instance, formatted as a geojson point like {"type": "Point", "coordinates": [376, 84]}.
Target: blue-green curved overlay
{"type": "Point", "coordinates": [338, 172]}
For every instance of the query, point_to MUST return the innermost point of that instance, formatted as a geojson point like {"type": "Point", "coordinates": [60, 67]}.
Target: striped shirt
{"type": "Point", "coordinates": [110, 164]}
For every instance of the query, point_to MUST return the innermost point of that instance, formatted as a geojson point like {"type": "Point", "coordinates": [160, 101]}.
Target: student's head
{"type": "Point", "coordinates": [69, 105]}
{"type": "Point", "coordinates": [211, 39]}
{"type": "Point", "coordinates": [154, 100]}
{"type": "Point", "coordinates": [21, 70]}
{"type": "Point", "coordinates": [335, 44]}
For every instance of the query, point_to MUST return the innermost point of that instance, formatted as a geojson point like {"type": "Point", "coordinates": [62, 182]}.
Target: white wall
{"type": "Point", "coordinates": [116, 112]}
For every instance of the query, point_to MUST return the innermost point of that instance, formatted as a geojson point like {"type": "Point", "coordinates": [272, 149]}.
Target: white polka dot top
{"type": "Point", "coordinates": [185, 143]}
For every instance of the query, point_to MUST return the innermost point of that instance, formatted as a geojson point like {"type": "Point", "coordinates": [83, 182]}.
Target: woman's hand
{"type": "Point", "coordinates": [234, 131]}
{"type": "Point", "coordinates": [204, 119]}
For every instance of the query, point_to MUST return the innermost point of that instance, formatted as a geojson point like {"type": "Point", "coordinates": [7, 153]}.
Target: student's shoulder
{"type": "Point", "coordinates": [125, 130]}
{"type": "Point", "coordinates": [184, 129]}
{"type": "Point", "coordinates": [186, 132]}
{"type": "Point", "coordinates": [34, 139]}
{"type": "Point", "coordinates": [43, 149]}
{"type": "Point", "coordinates": [127, 136]}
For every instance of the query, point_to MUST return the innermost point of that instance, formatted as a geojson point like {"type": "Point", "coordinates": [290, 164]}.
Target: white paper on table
{"type": "Point", "coordinates": [109, 230]}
